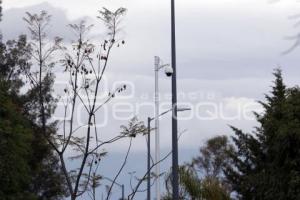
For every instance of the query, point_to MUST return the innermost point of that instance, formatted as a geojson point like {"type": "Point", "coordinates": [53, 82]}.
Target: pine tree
{"type": "Point", "coordinates": [265, 165]}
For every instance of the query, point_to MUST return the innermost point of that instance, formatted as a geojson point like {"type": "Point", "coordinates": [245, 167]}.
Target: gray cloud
{"type": "Point", "coordinates": [13, 24]}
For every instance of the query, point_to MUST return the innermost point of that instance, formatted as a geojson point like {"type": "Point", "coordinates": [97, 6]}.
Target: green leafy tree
{"type": "Point", "coordinates": [42, 175]}
{"type": "Point", "coordinates": [265, 165]}
{"type": "Point", "coordinates": [15, 130]}
{"type": "Point", "coordinates": [203, 178]}
{"type": "Point", "coordinates": [192, 187]}
{"type": "Point", "coordinates": [15, 149]}
{"type": "Point", "coordinates": [212, 157]}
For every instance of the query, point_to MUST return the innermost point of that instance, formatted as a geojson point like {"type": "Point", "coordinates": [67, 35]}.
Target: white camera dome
{"type": "Point", "coordinates": [168, 70]}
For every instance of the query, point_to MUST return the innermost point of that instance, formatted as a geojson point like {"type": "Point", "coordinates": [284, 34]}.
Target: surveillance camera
{"type": "Point", "coordinates": [168, 70]}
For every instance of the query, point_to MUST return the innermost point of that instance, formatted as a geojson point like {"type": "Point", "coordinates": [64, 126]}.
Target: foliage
{"type": "Point", "coordinates": [203, 179]}
{"type": "Point", "coordinates": [214, 189]}
{"type": "Point", "coordinates": [265, 165]}
{"type": "Point", "coordinates": [195, 188]}
{"type": "Point", "coordinates": [40, 167]}
{"type": "Point", "coordinates": [213, 156]}
{"type": "Point", "coordinates": [134, 128]}
{"type": "Point", "coordinates": [13, 62]}
{"type": "Point", "coordinates": [15, 149]}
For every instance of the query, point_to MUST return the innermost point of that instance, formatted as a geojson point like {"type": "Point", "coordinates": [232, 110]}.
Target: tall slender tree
{"type": "Point", "coordinates": [85, 65]}
{"type": "Point", "coordinates": [40, 105]}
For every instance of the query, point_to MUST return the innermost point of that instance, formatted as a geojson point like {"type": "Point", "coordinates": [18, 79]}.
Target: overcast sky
{"type": "Point", "coordinates": [226, 50]}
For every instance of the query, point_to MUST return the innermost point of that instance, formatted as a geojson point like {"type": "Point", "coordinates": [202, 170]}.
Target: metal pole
{"type": "Point", "coordinates": [123, 192]}
{"type": "Point", "coordinates": [157, 142]}
{"type": "Point", "coordinates": [175, 189]}
{"type": "Point", "coordinates": [148, 162]}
